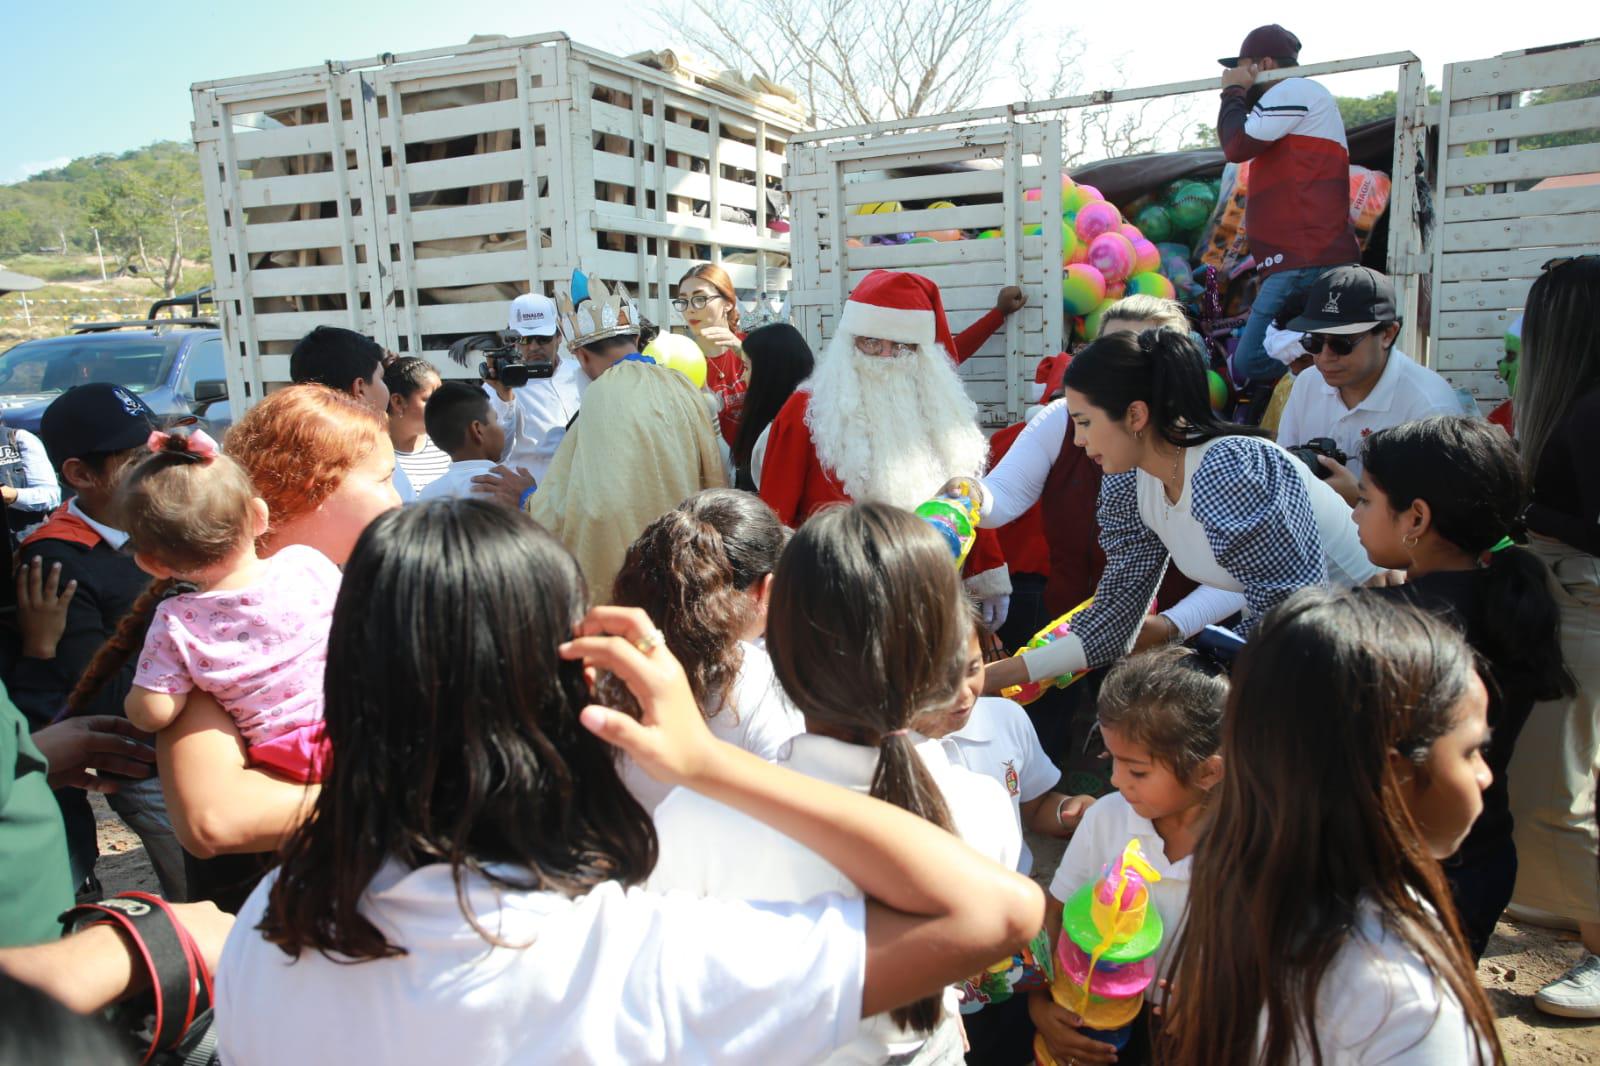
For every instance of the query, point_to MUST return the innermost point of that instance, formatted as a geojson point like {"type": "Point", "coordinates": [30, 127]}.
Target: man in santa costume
{"type": "Point", "coordinates": [884, 418]}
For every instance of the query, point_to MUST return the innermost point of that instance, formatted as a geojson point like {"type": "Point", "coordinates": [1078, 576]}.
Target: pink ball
{"type": "Point", "coordinates": [1147, 257]}
{"type": "Point", "coordinates": [1091, 192]}
{"type": "Point", "coordinates": [1130, 231]}
{"type": "Point", "coordinates": [1082, 289]}
{"type": "Point", "coordinates": [1097, 218]}
{"type": "Point", "coordinates": [1112, 254]}
{"type": "Point", "coordinates": [1031, 195]}
{"type": "Point", "coordinates": [1078, 255]}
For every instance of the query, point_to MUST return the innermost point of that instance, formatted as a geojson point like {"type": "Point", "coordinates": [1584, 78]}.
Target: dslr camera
{"type": "Point", "coordinates": [499, 359]}
{"type": "Point", "coordinates": [1307, 453]}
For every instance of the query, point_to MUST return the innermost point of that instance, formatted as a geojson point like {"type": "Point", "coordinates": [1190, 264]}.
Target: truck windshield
{"type": "Point", "coordinates": [49, 367]}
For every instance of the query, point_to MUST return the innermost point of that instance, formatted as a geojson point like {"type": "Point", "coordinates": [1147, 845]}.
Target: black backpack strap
{"type": "Point", "coordinates": [179, 980]}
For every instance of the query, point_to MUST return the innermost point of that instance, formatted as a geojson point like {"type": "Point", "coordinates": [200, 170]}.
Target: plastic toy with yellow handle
{"type": "Point", "coordinates": [1029, 691]}
{"type": "Point", "coordinates": [955, 513]}
{"type": "Point", "coordinates": [1104, 963]}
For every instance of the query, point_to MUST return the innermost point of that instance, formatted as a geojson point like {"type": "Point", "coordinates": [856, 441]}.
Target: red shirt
{"type": "Point", "coordinates": [725, 378]}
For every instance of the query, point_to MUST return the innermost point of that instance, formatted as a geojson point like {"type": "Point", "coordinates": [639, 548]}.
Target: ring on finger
{"type": "Point", "coordinates": [649, 642]}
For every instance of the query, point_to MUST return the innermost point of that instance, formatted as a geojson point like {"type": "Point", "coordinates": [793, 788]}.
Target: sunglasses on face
{"type": "Point", "coordinates": [1337, 344]}
{"type": "Point", "coordinates": [879, 346]}
{"type": "Point", "coordinates": [697, 302]}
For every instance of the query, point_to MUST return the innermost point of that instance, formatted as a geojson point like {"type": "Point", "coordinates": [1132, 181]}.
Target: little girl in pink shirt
{"type": "Point", "coordinates": [254, 632]}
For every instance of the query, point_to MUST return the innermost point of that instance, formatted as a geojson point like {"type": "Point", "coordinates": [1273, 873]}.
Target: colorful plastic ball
{"type": "Point", "coordinates": [1130, 231]}
{"type": "Point", "coordinates": [1079, 254]}
{"type": "Point", "coordinates": [1151, 284]}
{"type": "Point", "coordinates": [922, 238]}
{"type": "Point", "coordinates": [889, 238]}
{"type": "Point", "coordinates": [677, 352]}
{"type": "Point", "coordinates": [1095, 219]}
{"type": "Point", "coordinates": [1154, 222]}
{"type": "Point", "coordinates": [1078, 197]}
{"type": "Point", "coordinates": [888, 207]}
{"type": "Point", "coordinates": [1147, 257]}
{"type": "Point", "coordinates": [1032, 195]}
{"type": "Point", "coordinates": [1192, 206]}
{"type": "Point", "coordinates": [1116, 290]}
{"type": "Point", "coordinates": [1033, 229]}
{"type": "Point", "coordinates": [1219, 390]}
{"type": "Point", "coordinates": [1091, 192]}
{"type": "Point", "coordinates": [944, 234]}
{"type": "Point", "coordinates": [940, 205]}
{"type": "Point", "coordinates": [1082, 289]}
{"type": "Point", "coordinates": [1112, 254]}
{"type": "Point", "coordinates": [1093, 321]}
{"type": "Point", "coordinates": [853, 242]}
{"type": "Point", "coordinates": [990, 234]}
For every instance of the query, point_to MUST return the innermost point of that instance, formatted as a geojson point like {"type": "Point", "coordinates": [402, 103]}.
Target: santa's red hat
{"type": "Point", "coordinates": [897, 306]}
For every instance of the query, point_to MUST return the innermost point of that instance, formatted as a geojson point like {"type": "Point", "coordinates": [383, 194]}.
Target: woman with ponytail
{"type": "Point", "coordinates": [1442, 499]}
{"type": "Point", "coordinates": [1227, 507]}
{"type": "Point", "coordinates": [703, 573]}
{"type": "Point", "coordinates": [867, 629]}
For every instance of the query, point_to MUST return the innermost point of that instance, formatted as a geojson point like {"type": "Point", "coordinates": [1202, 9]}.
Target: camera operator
{"type": "Point", "coordinates": [1359, 382]}
{"type": "Point", "coordinates": [536, 412]}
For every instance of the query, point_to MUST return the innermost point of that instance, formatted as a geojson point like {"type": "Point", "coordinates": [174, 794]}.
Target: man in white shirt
{"type": "Point", "coordinates": [536, 414]}
{"type": "Point", "coordinates": [1359, 381]}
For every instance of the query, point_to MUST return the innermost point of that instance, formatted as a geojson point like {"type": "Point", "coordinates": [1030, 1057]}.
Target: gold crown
{"type": "Point", "coordinates": [599, 313]}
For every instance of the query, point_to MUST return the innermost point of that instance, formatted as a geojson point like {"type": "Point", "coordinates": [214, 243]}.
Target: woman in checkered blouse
{"type": "Point", "coordinates": [1224, 504]}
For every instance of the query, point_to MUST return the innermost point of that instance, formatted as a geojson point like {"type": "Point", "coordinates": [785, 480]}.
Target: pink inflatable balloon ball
{"type": "Point", "coordinates": [1082, 289]}
{"type": "Point", "coordinates": [1130, 231]}
{"type": "Point", "coordinates": [1112, 254]}
{"type": "Point", "coordinates": [1033, 195]}
{"type": "Point", "coordinates": [1151, 284]}
{"type": "Point", "coordinates": [1097, 219]}
{"type": "Point", "coordinates": [1079, 255]}
{"type": "Point", "coordinates": [945, 234]}
{"type": "Point", "coordinates": [1091, 193]}
{"type": "Point", "coordinates": [1146, 257]}
{"type": "Point", "coordinates": [1078, 197]}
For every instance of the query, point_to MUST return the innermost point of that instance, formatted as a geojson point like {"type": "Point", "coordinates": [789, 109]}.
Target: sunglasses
{"type": "Point", "coordinates": [698, 301]}
{"type": "Point", "coordinates": [878, 346]}
{"type": "Point", "coordinates": [1337, 344]}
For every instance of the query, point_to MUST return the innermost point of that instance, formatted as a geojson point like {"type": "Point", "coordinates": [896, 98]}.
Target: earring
{"type": "Point", "coordinates": [1410, 540]}
{"type": "Point", "coordinates": [1138, 435]}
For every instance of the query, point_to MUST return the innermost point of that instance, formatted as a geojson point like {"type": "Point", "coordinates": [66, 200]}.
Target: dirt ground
{"type": "Point", "coordinates": [1520, 959]}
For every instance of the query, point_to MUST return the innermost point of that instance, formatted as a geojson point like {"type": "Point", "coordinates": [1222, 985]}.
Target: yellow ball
{"type": "Point", "coordinates": [887, 208]}
{"type": "Point", "coordinates": [940, 204]}
{"type": "Point", "coordinates": [679, 353]}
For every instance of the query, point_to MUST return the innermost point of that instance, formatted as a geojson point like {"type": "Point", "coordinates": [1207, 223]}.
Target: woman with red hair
{"type": "Point", "coordinates": [710, 307]}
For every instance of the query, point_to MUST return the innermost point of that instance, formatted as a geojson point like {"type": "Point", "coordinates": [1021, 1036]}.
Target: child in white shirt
{"type": "Point", "coordinates": [461, 421]}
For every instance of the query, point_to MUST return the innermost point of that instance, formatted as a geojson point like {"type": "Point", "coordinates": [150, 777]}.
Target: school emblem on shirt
{"type": "Point", "coordinates": [1011, 778]}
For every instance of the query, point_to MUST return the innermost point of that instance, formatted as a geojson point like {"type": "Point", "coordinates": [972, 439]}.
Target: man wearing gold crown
{"type": "Point", "coordinates": [884, 418]}
{"type": "Point", "coordinates": [643, 441]}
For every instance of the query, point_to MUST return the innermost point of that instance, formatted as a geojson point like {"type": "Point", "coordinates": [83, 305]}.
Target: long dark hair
{"type": "Point", "coordinates": [691, 571]}
{"type": "Point", "coordinates": [780, 359]}
{"type": "Point", "coordinates": [1310, 825]}
{"type": "Point", "coordinates": [1164, 369]}
{"type": "Point", "coordinates": [466, 749]}
{"type": "Point", "coordinates": [1170, 701]}
{"type": "Point", "coordinates": [868, 629]}
{"type": "Point", "coordinates": [1560, 353]}
{"type": "Point", "coordinates": [1468, 473]}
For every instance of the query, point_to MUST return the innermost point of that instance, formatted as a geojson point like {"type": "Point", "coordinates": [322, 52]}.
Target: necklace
{"type": "Point", "coordinates": [1177, 478]}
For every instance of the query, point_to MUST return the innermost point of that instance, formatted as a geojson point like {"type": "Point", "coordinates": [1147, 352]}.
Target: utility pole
{"type": "Point", "coordinates": [101, 254]}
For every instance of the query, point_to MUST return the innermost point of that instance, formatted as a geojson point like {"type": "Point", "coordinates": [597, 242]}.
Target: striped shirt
{"type": "Point", "coordinates": [424, 466]}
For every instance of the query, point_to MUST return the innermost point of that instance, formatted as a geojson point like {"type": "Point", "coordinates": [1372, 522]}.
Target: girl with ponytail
{"type": "Point", "coordinates": [1442, 499]}
{"type": "Point", "coordinates": [703, 573]}
{"type": "Point", "coordinates": [1227, 507]}
{"type": "Point", "coordinates": [867, 629]}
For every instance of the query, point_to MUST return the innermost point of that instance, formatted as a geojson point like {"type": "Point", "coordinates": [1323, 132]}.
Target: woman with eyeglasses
{"type": "Point", "coordinates": [710, 307]}
{"type": "Point", "coordinates": [1554, 768]}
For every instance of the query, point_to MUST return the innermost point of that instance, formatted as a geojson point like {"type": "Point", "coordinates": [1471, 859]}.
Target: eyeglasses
{"type": "Point", "coordinates": [698, 301]}
{"type": "Point", "coordinates": [1561, 261]}
{"type": "Point", "coordinates": [1337, 344]}
{"type": "Point", "coordinates": [531, 341]}
{"type": "Point", "coordinates": [879, 346]}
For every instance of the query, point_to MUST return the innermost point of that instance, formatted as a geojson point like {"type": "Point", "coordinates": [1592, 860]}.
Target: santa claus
{"type": "Point", "coordinates": [883, 418]}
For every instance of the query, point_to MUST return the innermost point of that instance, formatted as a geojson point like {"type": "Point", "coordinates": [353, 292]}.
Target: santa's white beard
{"type": "Point", "coordinates": [893, 430]}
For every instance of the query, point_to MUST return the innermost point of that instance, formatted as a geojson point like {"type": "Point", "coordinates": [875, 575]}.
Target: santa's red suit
{"type": "Point", "coordinates": [795, 481]}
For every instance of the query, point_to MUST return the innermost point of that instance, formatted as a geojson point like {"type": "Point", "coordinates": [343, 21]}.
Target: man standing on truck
{"type": "Point", "coordinates": [1297, 217]}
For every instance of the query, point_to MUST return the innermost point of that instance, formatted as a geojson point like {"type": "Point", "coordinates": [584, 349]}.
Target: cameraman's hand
{"type": "Point", "coordinates": [1340, 479]}
{"type": "Point", "coordinates": [95, 742]}
{"type": "Point", "coordinates": [504, 485]}
{"type": "Point", "coordinates": [501, 389]}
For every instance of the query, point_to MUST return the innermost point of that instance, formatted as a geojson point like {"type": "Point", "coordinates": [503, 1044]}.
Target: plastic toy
{"type": "Point", "coordinates": [887, 207]}
{"type": "Point", "coordinates": [1097, 218]}
{"type": "Point", "coordinates": [1032, 690]}
{"type": "Point", "coordinates": [1082, 288]}
{"type": "Point", "coordinates": [1219, 391]}
{"type": "Point", "coordinates": [1151, 284]}
{"type": "Point", "coordinates": [1146, 257]}
{"type": "Point", "coordinates": [1154, 222]}
{"type": "Point", "coordinates": [955, 515]}
{"type": "Point", "coordinates": [677, 352]}
{"type": "Point", "coordinates": [990, 234]}
{"type": "Point", "coordinates": [1130, 231]}
{"type": "Point", "coordinates": [923, 238]}
{"type": "Point", "coordinates": [1192, 205]}
{"type": "Point", "coordinates": [1094, 320]}
{"type": "Point", "coordinates": [1112, 254]}
{"type": "Point", "coordinates": [940, 205]}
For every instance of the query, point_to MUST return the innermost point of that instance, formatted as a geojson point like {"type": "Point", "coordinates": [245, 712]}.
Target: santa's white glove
{"type": "Point", "coordinates": [992, 611]}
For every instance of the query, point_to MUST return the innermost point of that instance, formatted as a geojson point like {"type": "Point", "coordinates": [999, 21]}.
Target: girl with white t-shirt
{"type": "Point", "coordinates": [466, 887]}
{"type": "Point", "coordinates": [703, 572]}
{"type": "Point", "coordinates": [1161, 716]}
{"type": "Point", "coordinates": [1320, 927]}
{"type": "Point", "coordinates": [866, 628]}
{"type": "Point", "coordinates": [1224, 505]}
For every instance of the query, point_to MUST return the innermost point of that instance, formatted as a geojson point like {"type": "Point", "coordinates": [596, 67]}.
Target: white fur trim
{"type": "Point", "coordinates": [995, 582]}
{"type": "Point", "coordinates": [896, 324]}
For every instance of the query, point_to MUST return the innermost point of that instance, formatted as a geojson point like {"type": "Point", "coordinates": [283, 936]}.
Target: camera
{"type": "Point", "coordinates": [1307, 453]}
{"type": "Point", "coordinates": [500, 360]}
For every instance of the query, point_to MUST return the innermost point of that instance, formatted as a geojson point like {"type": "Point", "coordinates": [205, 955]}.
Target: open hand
{"type": "Point", "coordinates": [42, 607]}
{"type": "Point", "coordinates": [504, 485]}
{"type": "Point", "coordinates": [76, 746]}
{"type": "Point", "coordinates": [1340, 479]}
{"type": "Point", "coordinates": [722, 337]}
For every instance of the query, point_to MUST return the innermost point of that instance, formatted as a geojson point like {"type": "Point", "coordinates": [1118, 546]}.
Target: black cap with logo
{"type": "Point", "coordinates": [94, 419]}
{"type": "Point", "coordinates": [1265, 41]}
{"type": "Point", "coordinates": [1347, 299]}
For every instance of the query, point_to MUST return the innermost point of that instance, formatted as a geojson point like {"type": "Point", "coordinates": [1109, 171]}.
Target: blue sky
{"type": "Point", "coordinates": [86, 76]}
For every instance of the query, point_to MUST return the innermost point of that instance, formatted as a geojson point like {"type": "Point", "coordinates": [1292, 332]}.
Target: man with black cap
{"type": "Point", "coordinates": [1359, 382]}
{"type": "Point", "coordinates": [1297, 215]}
{"type": "Point", "coordinates": [92, 433]}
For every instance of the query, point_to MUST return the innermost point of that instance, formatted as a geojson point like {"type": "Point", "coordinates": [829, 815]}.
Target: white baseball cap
{"type": "Point", "coordinates": [532, 315]}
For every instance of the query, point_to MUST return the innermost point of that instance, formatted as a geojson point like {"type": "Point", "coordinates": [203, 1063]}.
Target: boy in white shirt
{"type": "Point", "coordinates": [461, 421]}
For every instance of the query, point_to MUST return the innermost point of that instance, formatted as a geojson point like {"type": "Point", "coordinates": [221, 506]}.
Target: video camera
{"type": "Point", "coordinates": [500, 361]}
{"type": "Point", "coordinates": [1307, 453]}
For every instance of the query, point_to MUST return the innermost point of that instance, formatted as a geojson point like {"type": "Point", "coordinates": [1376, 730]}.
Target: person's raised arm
{"type": "Point", "coordinates": [1245, 131]}
{"type": "Point", "coordinates": [217, 802]}
{"type": "Point", "coordinates": [1017, 481]}
{"type": "Point", "coordinates": [937, 910]}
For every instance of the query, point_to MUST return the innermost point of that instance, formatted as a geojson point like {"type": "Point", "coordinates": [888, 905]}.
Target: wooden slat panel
{"type": "Point", "coordinates": [297, 281]}
{"type": "Point", "coordinates": [917, 256]}
{"type": "Point", "coordinates": [1458, 208]}
{"type": "Point", "coordinates": [619, 169]}
{"type": "Point", "coordinates": [289, 190]}
{"type": "Point", "coordinates": [451, 122]}
{"type": "Point", "coordinates": [1484, 385]}
{"type": "Point", "coordinates": [1476, 325]}
{"type": "Point", "coordinates": [1489, 76]}
{"type": "Point", "coordinates": [1477, 296]}
{"type": "Point", "coordinates": [439, 223]}
{"type": "Point", "coordinates": [462, 318]}
{"type": "Point", "coordinates": [1495, 266]}
{"type": "Point", "coordinates": [1515, 122]}
{"type": "Point", "coordinates": [978, 216]}
{"type": "Point", "coordinates": [290, 140]}
{"type": "Point", "coordinates": [926, 187]}
{"type": "Point", "coordinates": [1521, 233]}
{"type": "Point", "coordinates": [1466, 353]}
{"type": "Point", "coordinates": [471, 269]}
{"type": "Point", "coordinates": [1525, 164]}
{"type": "Point", "coordinates": [293, 236]}
{"type": "Point", "coordinates": [292, 325]}
{"type": "Point", "coordinates": [464, 171]}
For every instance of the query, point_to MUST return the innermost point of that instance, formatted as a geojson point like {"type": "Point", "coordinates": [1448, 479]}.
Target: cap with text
{"type": "Point", "coordinates": [532, 314]}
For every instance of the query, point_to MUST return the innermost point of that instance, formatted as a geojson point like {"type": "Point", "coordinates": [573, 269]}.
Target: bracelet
{"type": "Point", "coordinates": [527, 493]}
{"type": "Point", "coordinates": [1061, 823]}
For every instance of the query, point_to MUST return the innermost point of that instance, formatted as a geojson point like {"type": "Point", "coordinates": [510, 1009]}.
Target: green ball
{"type": "Point", "coordinates": [990, 234]}
{"type": "Point", "coordinates": [1219, 390]}
{"type": "Point", "coordinates": [922, 240]}
{"type": "Point", "coordinates": [1154, 222]}
{"type": "Point", "coordinates": [1192, 206]}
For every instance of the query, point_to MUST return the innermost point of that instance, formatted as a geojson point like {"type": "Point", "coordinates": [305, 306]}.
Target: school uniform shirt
{"type": "Point", "coordinates": [1243, 523]}
{"type": "Point", "coordinates": [402, 484]}
{"type": "Point", "coordinates": [612, 976]}
{"type": "Point", "coordinates": [425, 465]}
{"type": "Point", "coordinates": [1000, 743]}
{"type": "Point", "coordinates": [1379, 1002]}
{"type": "Point", "coordinates": [709, 849]}
{"type": "Point", "coordinates": [456, 482]}
{"type": "Point", "coordinates": [537, 415]}
{"type": "Point", "coordinates": [1107, 826]}
{"type": "Point", "coordinates": [1406, 391]}
{"type": "Point", "coordinates": [755, 716]}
